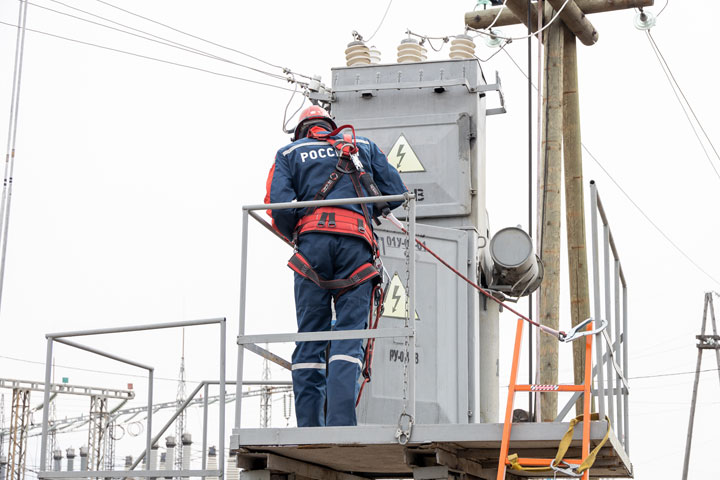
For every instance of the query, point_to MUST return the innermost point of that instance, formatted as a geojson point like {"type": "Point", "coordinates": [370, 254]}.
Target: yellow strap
{"type": "Point", "coordinates": [563, 448]}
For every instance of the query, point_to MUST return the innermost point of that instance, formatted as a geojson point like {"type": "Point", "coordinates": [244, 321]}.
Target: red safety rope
{"type": "Point", "coordinates": [377, 294]}
{"type": "Point", "coordinates": [560, 334]}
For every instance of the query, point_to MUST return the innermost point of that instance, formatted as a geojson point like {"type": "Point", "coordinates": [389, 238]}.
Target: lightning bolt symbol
{"type": "Point", "coordinates": [400, 155]}
{"type": "Point", "coordinates": [396, 297]}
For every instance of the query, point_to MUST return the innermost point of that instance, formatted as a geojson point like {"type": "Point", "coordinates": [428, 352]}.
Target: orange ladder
{"type": "Point", "coordinates": [545, 463]}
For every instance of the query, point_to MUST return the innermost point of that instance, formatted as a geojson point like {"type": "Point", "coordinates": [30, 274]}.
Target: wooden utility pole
{"type": "Point", "coordinates": [705, 342]}
{"type": "Point", "coordinates": [549, 214]}
{"type": "Point", "coordinates": [483, 18]}
{"type": "Point", "coordinates": [574, 205]}
{"type": "Point", "coordinates": [560, 135]}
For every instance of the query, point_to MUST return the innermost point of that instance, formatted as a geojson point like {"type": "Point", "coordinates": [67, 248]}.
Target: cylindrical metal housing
{"type": "Point", "coordinates": [186, 446]}
{"type": "Point", "coordinates": [57, 460]}
{"type": "Point", "coordinates": [83, 458]}
{"type": "Point", "coordinates": [514, 268]}
{"type": "Point", "coordinates": [212, 461]}
{"type": "Point", "coordinates": [70, 454]}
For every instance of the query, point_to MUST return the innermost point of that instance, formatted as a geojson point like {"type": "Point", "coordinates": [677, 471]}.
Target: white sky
{"type": "Point", "coordinates": [130, 176]}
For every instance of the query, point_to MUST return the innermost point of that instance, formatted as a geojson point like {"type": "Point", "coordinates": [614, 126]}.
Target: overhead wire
{"type": "Point", "coordinates": [156, 38]}
{"type": "Point", "coordinates": [197, 37]}
{"type": "Point", "coordinates": [676, 88]}
{"type": "Point", "coordinates": [147, 57]}
{"type": "Point", "coordinates": [381, 22]}
{"type": "Point", "coordinates": [555, 17]}
{"type": "Point", "coordinates": [12, 139]}
{"type": "Point", "coordinates": [637, 207]}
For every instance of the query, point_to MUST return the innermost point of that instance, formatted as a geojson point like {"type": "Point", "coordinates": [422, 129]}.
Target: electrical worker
{"type": "Point", "coordinates": [336, 256]}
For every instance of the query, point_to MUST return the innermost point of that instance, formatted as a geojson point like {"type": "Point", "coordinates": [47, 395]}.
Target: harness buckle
{"type": "Point", "coordinates": [323, 218]}
{"type": "Point", "coordinates": [361, 225]}
{"type": "Point", "coordinates": [331, 222]}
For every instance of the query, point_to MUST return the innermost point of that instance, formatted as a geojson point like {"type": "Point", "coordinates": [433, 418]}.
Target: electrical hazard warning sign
{"type": "Point", "coordinates": [395, 305]}
{"type": "Point", "coordinates": [403, 157]}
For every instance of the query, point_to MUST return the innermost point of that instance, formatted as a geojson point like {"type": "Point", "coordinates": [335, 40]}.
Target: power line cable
{"type": "Point", "coordinates": [659, 230]}
{"type": "Point", "coordinates": [676, 88]}
{"type": "Point", "coordinates": [12, 138]}
{"type": "Point", "coordinates": [198, 37]}
{"type": "Point", "coordinates": [91, 370]}
{"type": "Point", "coordinates": [147, 57]}
{"type": "Point", "coordinates": [673, 374]}
{"type": "Point", "coordinates": [381, 21]}
{"type": "Point", "coordinates": [160, 40]}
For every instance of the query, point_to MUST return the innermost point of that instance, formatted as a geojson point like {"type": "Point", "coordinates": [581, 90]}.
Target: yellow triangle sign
{"type": "Point", "coordinates": [394, 305]}
{"type": "Point", "coordinates": [403, 158]}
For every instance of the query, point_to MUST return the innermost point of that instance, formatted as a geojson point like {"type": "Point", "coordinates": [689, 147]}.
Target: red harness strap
{"type": "Point", "coordinates": [362, 274]}
{"type": "Point", "coordinates": [339, 221]}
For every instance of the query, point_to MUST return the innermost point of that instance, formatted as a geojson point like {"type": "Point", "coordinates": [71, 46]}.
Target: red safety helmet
{"type": "Point", "coordinates": [310, 114]}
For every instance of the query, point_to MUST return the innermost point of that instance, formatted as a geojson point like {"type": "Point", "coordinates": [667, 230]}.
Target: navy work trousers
{"type": "Point", "coordinates": [335, 381]}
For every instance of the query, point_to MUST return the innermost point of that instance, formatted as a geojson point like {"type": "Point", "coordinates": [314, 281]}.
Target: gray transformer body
{"type": "Point", "coordinates": [429, 118]}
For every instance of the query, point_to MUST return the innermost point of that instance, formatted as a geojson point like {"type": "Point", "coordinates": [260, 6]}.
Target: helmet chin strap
{"type": "Point", "coordinates": [315, 126]}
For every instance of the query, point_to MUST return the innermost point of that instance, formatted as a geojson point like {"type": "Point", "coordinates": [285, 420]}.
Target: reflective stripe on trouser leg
{"type": "Point", "coordinates": [312, 306]}
{"type": "Point", "coordinates": [345, 363]}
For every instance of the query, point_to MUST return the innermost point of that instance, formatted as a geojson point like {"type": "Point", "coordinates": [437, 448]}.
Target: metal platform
{"type": "Point", "coordinates": [434, 451]}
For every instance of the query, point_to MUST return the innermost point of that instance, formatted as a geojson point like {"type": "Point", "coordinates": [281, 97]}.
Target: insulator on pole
{"type": "Point", "coordinates": [410, 50]}
{"type": "Point", "coordinates": [462, 46]}
{"type": "Point", "coordinates": [357, 53]}
{"type": "Point", "coordinates": [374, 55]}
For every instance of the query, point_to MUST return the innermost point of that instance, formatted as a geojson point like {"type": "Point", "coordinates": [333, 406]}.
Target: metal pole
{"type": "Point", "coordinates": [102, 354]}
{"type": "Point", "coordinates": [148, 446]}
{"type": "Point", "coordinates": [46, 409]}
{"type": "Point", "coordinates": [608, 317]}
{"type": "Point", "coordinates": [411, 305]}
{"type": "Point", "coordinates": [221, 441]}
{"type": "Point", "coordinates": [241, 322]}
{"type": "Point", "coordinates": [530, 195]}
{"type": "Point", "coordinates": [168, 423]}
{"type": "Point", "coordinates": [596, 294]}
{"type": "Point", "coordinates": [325, 203]}
{"type": "Point", "coordinates": [206, 389]}
{"type": "Point", "coordinates": [136, 328]}
{"type": "Point", "coordinates": [626, 395]}
{"type": "Point", "coordinates": [618, 353]}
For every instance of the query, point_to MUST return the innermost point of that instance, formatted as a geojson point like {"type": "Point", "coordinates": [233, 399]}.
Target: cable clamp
{"type": "Point", "coordinates": [579, 330]}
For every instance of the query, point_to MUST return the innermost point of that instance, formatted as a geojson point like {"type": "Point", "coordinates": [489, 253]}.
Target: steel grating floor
{"type": "Point", "coordinates": [371, 451]}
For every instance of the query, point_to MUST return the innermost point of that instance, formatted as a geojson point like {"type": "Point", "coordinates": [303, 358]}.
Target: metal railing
{"type": "Point", "coordinates": [245, 341]}
{"type": "Point", "coordinates": [150, 440]}
{"type": "Point", "coordinates": [610, 302]}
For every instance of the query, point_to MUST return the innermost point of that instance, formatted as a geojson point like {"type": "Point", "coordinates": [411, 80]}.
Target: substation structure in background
{"type": "Point", "coordinates": [20, 414]}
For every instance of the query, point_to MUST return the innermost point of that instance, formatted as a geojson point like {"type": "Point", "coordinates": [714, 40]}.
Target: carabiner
{"type": "Point", "coordinates": [403, 434]}
{"type": "Point", "coordinates": [579, 330]}
{"type": "Point", "coordinates": [569, 471]}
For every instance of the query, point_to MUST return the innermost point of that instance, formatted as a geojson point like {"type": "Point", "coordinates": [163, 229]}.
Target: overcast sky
{"type": "Point", "coordinates": [131, 173]}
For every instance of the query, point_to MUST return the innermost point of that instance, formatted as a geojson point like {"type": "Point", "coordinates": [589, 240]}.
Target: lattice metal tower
{"type": "Point", "coordinates": [110, 446]}
{"type": "Point", "coordinates": [266, 397]}
{"type": "Point", "coordinates": [2, 425]}
{"type": "Point", "coordinates": [180, 398]}
{"type": "Point", "coordinates": [19, 422]}
{"type": "Point", "coordinates": [97, 432]}
{"type": "Point", "coordinates": [52, 444]}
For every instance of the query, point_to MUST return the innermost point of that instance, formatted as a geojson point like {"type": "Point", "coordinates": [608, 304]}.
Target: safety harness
{"type": "Point", "coordinates": [340, 221]}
